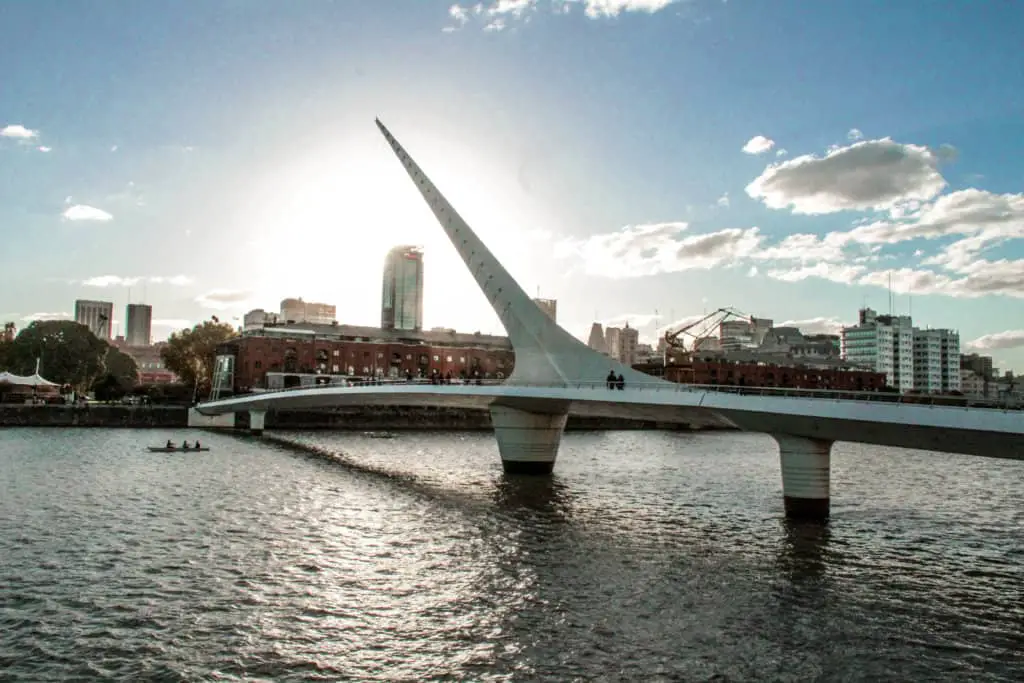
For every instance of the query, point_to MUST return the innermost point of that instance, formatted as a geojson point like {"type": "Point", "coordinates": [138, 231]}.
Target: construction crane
{"type": "Point", "coordinates": [701, 329]}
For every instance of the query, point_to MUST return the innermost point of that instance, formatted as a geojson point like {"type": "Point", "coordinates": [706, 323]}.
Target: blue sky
{"type": "Point", "coordinates": [638, 160]}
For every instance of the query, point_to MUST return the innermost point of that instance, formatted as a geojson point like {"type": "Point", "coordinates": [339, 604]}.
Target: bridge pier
{"type": "Point", "coordinates": [527, 442]}
{"type": "Point", "coordinates": [806, 465]}
{"type": "Point", "coordinates": [257, 418]}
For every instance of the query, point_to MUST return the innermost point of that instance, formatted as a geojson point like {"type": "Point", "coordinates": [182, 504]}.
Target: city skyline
{"type": "Point", "coordinates": [677, 159]}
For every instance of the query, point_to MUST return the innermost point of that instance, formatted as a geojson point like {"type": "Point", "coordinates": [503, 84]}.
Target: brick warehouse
{"type": "Point", "coordinates": [750, 374]}
{"type": "Point", "coordinates": [351, 350]}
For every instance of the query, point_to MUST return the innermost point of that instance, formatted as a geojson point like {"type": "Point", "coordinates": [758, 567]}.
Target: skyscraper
{"type": "Point", "coordinates": [138, 325]}
{"type": "Point", "coordinates": [98, 316]}
{"type": "Point", "coordinates": [402, 293]}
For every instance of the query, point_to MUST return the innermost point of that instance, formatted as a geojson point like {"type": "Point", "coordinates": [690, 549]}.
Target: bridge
{"type": "Point", "coordinates": [556, 375]}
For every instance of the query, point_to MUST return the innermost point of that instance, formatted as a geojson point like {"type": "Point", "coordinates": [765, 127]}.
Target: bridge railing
{"type": "Point", "coordinates": [661, 386]}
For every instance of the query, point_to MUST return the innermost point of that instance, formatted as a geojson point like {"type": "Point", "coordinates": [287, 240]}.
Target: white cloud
{"type": "Point", "coordinates": [44, 149]}
{"type": "Point", "coordinates": [110, 281]}
{"type": "Point", "coordinates": [723, 201]}
{"type": "Point", "coordinates": [81, 212]}
{"type": "Point", "coordinates": [176, 280]}
{"type": "Point", "coordinates": [121, 281]}
{"type": "Point", "coordinates": [986, 217]}
{"type": "Point", "coordinates": [221, 299]}
{"type": "Point", "coordinates": [819, 325]}
{"type": "Point", "coordinates": [612, 8]}
{"type": "Point", "coordinates": [1003, 277]}
{"type": "Point", "coordinates": [871, 174]}
{"type": "Point", "coordinates": [46, 316]}
{"type": "Point", "coordinates": [781, 152]}
{"type": "Point", "coordinates": [639, 250]}
{"type": "Point", "coordinates": [1010, 339]}
{"type": "Point", "coordinates": [854, 135]}
{"type": "Point", "coordinates": [836, 272]}
{"type": "Point", "coordinates": [758, 144]}
{"type": "Point", "coordinates": [498, 13]}
{"type": "Point", "coordinates": [806, 247]}
{"type": "Point", "coordinates": [18, 132]}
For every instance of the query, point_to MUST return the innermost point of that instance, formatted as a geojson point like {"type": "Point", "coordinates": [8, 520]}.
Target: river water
{"type": "Point", "coordinates": [648, 556]}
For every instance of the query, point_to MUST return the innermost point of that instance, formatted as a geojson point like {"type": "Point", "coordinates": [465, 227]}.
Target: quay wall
{"type": "Point", "coordinates": [369, 418]}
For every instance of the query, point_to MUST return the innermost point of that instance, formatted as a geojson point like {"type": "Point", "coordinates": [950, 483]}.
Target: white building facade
{"type": "Point", "coordinates": [882, 343]}
{"type": "Point", "coordinates": [936, 361]}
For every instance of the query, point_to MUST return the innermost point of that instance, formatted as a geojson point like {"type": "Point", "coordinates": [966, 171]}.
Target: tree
{"type": "Point", "coordinates": [191, 354]}
{"type": "Point", "coordinates": [68, 352]}
{"type": "Point", "coordinates": [120, 374]}
{"type": "Point", "coordinates": [121, 367]}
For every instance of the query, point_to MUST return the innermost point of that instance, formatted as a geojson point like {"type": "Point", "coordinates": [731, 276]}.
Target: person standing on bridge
{"type": "Point", "coordinates": [620, 382]}
{"type": "Point", "coordinates": [611, 379]}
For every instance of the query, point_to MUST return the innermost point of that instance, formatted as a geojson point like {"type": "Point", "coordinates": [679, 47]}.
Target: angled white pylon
{"type": "Point", "coordinates": [545, 353]}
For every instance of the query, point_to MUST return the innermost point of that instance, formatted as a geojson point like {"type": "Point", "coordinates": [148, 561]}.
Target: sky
{"type": "Point", "coordinates": [637, 160]}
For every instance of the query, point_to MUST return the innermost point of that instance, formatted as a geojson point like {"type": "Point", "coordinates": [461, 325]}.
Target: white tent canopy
{"type": "Point", "coordinates": [28, 381]}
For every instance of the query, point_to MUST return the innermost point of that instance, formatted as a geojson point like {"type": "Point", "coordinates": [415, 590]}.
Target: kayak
{"type": "Point", "coordinates": [176, 449]}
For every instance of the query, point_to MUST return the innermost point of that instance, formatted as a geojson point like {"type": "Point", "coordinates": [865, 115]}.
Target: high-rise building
{"type": "Point", "coordinates": [743, 334]}
{"type": "Point", "coordinates": [98, 316]}
{"type": "Point", "coordinates": [596, 340]}
{"type": "Point", "coordinates": [978, 364]}
{"type": "Point", "coordinates": [883, 343]}
{"type": "Point", "coordinates": [936, 360]}
{"type": "Point", "coordinates": [402, 292]}
{"type": "Point", "coordinates": [138, 325]}
{"type": "Point", "coordinates": [310, 312]}
{"type": "Point", "coordinates": [622, 343]}
{"type": "Point", "coordinates": [549, 306]}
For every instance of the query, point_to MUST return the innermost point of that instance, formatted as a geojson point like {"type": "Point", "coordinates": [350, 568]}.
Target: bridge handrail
{"type": "Point", "coordinates": [661, 386]}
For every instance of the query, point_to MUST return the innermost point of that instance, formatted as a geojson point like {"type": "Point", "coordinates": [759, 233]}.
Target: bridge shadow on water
{"type": "Point", "coordinates": [524, 498]}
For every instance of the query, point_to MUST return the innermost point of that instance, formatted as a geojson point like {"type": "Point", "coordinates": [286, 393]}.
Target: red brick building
{"type": "Point", "coordinates": [353, 351]}
{"type": "Point", "coordinates": [738, 373]}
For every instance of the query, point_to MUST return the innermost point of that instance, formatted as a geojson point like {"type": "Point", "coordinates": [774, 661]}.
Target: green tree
{"type": "Point", "coordinates": [191, 354]}
{"type": "Point", "coordinates": [121, 367]}
{"type": "Point", "coordinates": [120, 375]}
{"type": "Point", "coordinates": [68, 352]}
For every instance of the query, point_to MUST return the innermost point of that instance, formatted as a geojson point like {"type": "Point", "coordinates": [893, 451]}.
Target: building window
{"type": "Point", "coordinates": [334, 368]}
{"type": "Point", "coordinates": [449, 359]}
{"type": "Point", "coordinates": [336, 353]}
{"type": "Point", "coordinates": [408, 356]}
{"type": "Point", "coordinates": [462, 359]}
{"type": "Point", "coordinates": [436, 358]}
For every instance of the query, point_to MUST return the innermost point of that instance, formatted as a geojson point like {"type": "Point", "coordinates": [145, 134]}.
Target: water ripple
{"type": "Point", "coordinates": [654, 556]}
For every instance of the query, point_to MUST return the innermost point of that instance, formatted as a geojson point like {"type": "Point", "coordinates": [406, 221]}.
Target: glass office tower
{"type": "Point", "coordinates": [402, 293]}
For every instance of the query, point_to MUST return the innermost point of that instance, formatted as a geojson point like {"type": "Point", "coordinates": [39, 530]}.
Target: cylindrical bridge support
{"type": "Point", "coordinates": [257, 418]}
{"type": "Point", "coordinates": [806, 465]}
{"type": "Point", "coordinates": [527, 442]}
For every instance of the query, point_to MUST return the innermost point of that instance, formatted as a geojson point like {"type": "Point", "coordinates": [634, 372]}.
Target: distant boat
{"type": "Point", "coordinates": [177, 449]}
{"type": "Point", "coordinates": [379, 435]}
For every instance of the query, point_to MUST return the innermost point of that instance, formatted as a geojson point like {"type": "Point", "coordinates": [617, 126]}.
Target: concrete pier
{"type": "Point", "coordinates": [806, 466]}
{"type": "Point", "coordinates": [527, 442]}
{"type": "Point", "coordinates": [257, 419]}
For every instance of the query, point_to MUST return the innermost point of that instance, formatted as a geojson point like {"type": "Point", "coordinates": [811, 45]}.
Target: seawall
{"type": "Point", "coordinates": [93, 416]}
{"type": "Point", "coordinates": [356, 419]}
